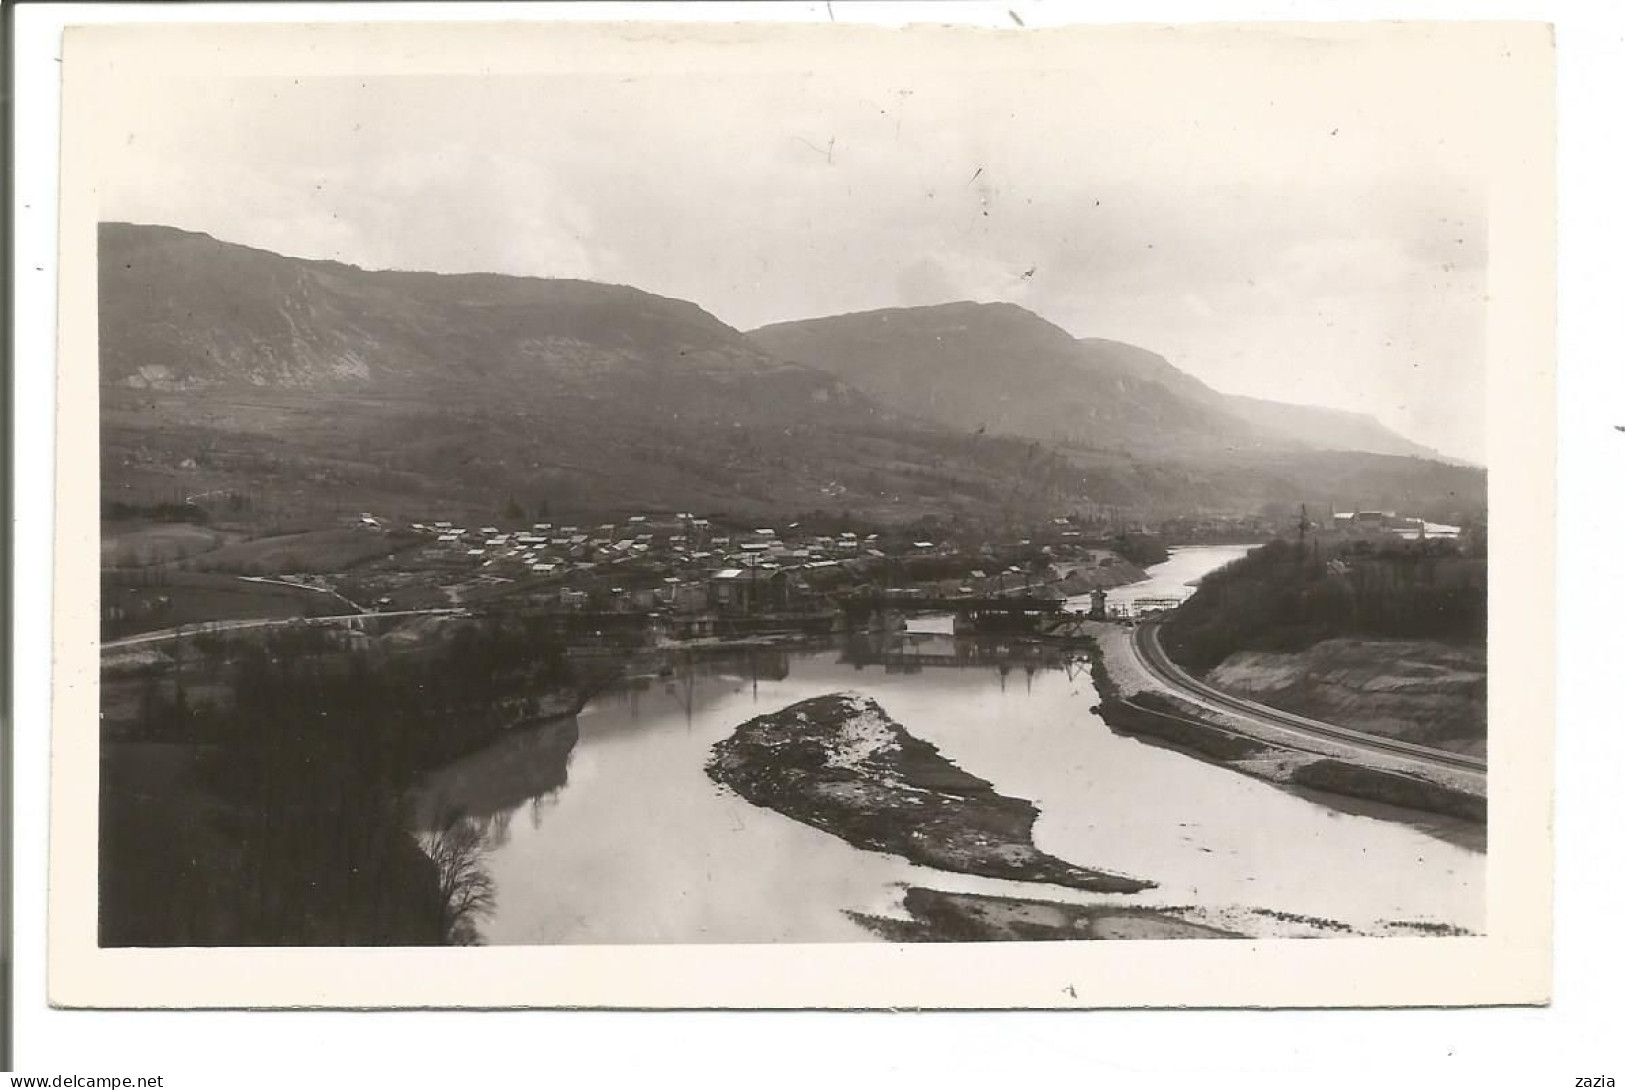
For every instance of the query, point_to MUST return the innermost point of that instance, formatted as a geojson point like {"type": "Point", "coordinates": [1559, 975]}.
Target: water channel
{"type": "Point", "coordinates": [606, 829]}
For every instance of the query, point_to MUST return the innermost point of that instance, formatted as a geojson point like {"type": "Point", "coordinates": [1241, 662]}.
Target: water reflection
{"type": "Point", "coordinates": [520, 772]}
{"type": "Point", "coordinates": [1174, 579]}
{"type": "Point", "coordinates": [913, 652]}
{"type": "Point", "coordinates": [689, 682]}
{"type": "Point", "coordinates": [639, 845]}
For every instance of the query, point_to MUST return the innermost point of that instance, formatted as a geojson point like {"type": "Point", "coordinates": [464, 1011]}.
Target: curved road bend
{"type": "Point", "coordinates": [1148, 649]}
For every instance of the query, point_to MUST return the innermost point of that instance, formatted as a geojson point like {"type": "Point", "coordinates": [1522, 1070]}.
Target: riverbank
{"type": "Point", "coordinates": [839, 763]}
{"type": "Point", "coordinates": [1135, 702]}
{"type": "Point", "coordinates": [934, 915]}
{"type": "Point", "coordinates": [624, 837]}
{"type": "Point", "coordinates": [257, 792]}
{"type": "Point", "coordinates": [1105, 573]}
{"type": "Point", "coordinates": [939, 916]}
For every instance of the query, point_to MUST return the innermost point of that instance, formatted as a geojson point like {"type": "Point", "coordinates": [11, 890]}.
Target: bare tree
{"type": "Point", "coordinates": [467, 894]}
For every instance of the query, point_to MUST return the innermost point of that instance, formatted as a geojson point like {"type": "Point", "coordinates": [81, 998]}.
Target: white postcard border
{"type": "Point", "coordinates": [1513, 62]}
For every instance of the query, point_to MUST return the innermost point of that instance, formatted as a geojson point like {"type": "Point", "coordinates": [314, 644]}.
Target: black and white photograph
{"type": "Point", "coordinates": [819, 486]}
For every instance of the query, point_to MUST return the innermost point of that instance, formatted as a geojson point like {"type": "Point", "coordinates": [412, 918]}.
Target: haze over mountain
{"type": "Point", "coordinates": [999, 367]}
{"type": "Point", "coordinates": [227, 367]}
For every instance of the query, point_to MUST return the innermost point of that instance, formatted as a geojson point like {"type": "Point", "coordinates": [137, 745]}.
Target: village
{"type": "Point", "coordinates": [676, 575]}
{"type": "Point", "coordinates": [700, 574]}
{"type": "Point", "coordinates": [683, 563]}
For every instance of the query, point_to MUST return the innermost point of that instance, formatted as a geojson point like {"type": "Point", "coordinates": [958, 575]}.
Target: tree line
{"type": "Point", "coordinates": [1286, 597]}
{"type": "Point", "coordinates": [312, 757]}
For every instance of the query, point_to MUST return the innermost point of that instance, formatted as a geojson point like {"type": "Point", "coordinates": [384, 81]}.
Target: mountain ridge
{"type": "Point", "coordinates": [236, 368]}
{"type": "Point", "coordinates": [896, 354]}
{"type": "Point", "coordinates": [302, 316]}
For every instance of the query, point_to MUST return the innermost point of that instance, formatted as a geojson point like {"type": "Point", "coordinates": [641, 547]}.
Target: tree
{"type": "Point", "coordinates": [467, 894]}
{"type": "Point", "coordinates": [513, 512]}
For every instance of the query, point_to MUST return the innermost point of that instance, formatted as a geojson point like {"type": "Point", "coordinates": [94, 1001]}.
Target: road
{"type": "Point", "coordinates": [1148, 649]}
{"type": "Point", "coordinates": [209, 627]}
{"type": "Point", "coordinates": [301, 586]}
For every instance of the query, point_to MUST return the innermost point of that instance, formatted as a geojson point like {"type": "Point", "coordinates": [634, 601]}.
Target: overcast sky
{"type": "Point", "coordinates": [1270, 220]}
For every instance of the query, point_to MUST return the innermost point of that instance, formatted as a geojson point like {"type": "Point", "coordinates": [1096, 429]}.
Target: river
{"type": "Point", "coordinates": [606, 829]}
{"type": "Point", "coordinates": [1175, 578]}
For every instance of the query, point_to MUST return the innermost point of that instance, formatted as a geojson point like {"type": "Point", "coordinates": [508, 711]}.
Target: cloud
{"type": "Point", "coordinates": [1224, 226]}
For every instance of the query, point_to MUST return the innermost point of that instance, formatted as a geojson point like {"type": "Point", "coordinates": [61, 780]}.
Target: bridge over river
{"type": "Point", "coordinates": [973, 613]}
{"type": "Point", "coordinates": [962, 654]}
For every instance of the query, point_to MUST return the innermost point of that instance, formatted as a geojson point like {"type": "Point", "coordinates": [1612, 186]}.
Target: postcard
{"type": "Point", "coordinates": [788, 515]}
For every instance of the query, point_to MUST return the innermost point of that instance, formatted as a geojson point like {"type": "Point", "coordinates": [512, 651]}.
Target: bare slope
{"type": "Point", "coordinates": [1418, 690]}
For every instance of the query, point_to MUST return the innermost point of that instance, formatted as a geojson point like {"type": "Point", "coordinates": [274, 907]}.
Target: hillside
{"type": "Point", "coordinates": [312, 386]}
{"type": "Point", "coordinates": [1388, 640]}
{"type": "Point", "coordinates": [1278, 599]}
{"type": "Point", "coordinates": [1000, 367]}
{"type": "Point", "coordinates": [182, 311]}
{"type": "Point", "coordinates": [1419, 690]}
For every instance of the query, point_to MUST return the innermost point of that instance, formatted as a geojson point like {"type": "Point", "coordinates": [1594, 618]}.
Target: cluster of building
{"type": "Point", "coordinates": [681, 561]}
{"type": "Point", "coordinates": [685, 563]}
{"type": "Point", "coordinates": [1388, 522]}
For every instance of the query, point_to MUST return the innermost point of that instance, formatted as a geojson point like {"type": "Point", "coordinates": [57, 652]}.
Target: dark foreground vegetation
{"type": "Point", "coordinates": [1285, 597]}
{"type": "Point", "coordinates": [274, 809]}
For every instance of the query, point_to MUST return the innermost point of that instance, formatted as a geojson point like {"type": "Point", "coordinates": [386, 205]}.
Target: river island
{"type": "Point", "coordinates": [839, 763]}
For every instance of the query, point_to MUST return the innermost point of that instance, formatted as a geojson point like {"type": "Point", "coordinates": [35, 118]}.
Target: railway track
{"type": "Point", "coordinates": [1148, 648]}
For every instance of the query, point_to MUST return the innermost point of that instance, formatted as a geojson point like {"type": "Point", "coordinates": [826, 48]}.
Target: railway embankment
{"type": "Point", "coordinates": [1136, 701]}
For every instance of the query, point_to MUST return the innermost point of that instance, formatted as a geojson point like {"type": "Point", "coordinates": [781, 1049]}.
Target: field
{"type": "Point", "coordinates": [160, 575]}
{"type": "Point", "coordinates": [138, 544]}
{"type": "Point", "coordinates": [206, 548]}
{"type": "Point", "coordinates": [314, 552]}
{"type": "Point", "coordinates": [134, 602]}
